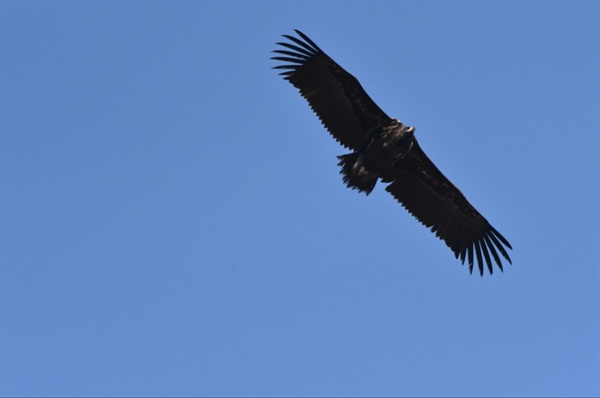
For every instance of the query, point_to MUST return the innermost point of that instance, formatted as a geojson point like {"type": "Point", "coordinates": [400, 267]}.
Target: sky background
{"type": "Point", "coordinates": [173, 221]}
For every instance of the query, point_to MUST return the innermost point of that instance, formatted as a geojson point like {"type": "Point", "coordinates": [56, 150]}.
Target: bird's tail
{"type": "Point", "coordinates": [355, 174]}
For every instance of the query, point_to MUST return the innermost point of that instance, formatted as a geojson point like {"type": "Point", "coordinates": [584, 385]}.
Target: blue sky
{"type": "Point", "coordinates": [173, 221]}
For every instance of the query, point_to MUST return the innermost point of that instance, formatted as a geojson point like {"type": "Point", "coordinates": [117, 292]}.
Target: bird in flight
{"type": "Point", "coordinates": [385, 149]}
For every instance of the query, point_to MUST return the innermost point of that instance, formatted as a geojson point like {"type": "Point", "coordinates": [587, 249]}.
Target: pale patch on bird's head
{"type": "Point", "coordinates": [404, 129]}
{"type": "Point", "coordinates": [407, 132]}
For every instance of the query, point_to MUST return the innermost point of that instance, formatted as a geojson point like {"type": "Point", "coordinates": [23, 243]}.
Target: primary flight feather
{"type": "Point", "coordinates": [384, 148]}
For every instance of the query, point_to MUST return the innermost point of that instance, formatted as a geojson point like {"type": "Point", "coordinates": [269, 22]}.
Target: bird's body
{"type": "Point", "coordinates": [388, 146]}
{"type": "Point", "coordinates": [384, 148]}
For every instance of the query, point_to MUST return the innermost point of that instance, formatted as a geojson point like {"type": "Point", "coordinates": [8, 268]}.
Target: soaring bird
{"type": "Point", "coordinates": [385, 149]}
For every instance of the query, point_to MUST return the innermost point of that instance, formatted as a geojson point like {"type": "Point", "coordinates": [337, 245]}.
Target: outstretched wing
{"type": "Point", "coordinates": [428, 195]}
{"type": "Point", "coordinates": [334, 95]}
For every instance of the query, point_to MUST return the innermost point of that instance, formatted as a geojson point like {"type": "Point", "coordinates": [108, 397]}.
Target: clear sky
{"type": "Point", "coordinates": [173, 220]}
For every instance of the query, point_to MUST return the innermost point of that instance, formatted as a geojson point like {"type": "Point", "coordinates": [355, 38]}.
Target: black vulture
{"type": "Point", "coordinates": [384, 148]}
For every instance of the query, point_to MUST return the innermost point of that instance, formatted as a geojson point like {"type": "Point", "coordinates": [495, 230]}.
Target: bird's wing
{"type": "Point", "coordinates": [429, 196]}
{"type": "Point", "coordinates": [334, 95]}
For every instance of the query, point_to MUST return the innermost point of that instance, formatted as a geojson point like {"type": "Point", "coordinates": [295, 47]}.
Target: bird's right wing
{"type": "Point", "coordinates": [337, 98]}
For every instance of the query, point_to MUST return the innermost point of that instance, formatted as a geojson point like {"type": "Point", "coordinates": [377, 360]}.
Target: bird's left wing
{"type": "Point", "coordinates": [336, 96]}
{"type": "Point", "coordinates": [428, 195]}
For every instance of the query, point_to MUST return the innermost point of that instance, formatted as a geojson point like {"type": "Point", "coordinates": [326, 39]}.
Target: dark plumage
{"type": "Point", "coordinates": [384, 148]}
